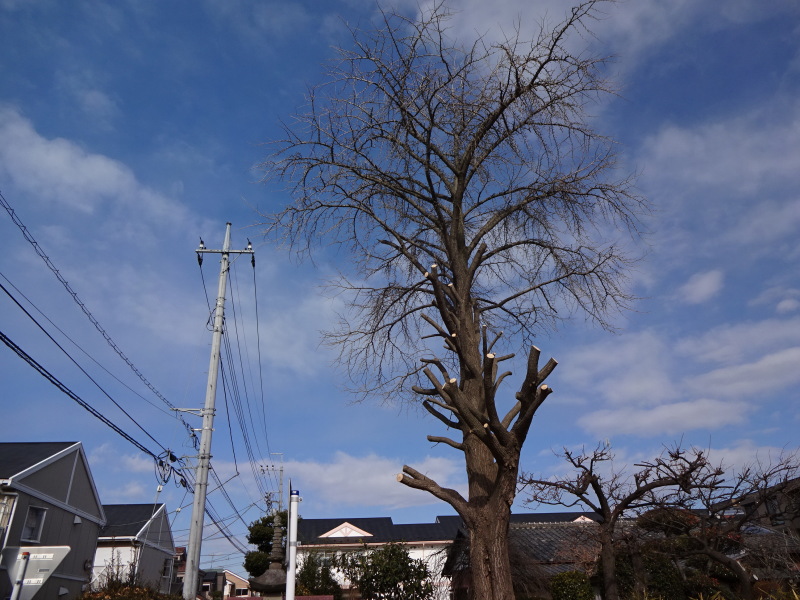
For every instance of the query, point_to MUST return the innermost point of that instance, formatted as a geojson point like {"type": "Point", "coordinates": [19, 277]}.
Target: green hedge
{"type": "Point", "coordinates": [571, 585]}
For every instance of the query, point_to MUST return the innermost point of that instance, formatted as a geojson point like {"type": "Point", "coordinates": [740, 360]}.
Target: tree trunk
{"type": "Point", "coordinates": [489, 563]}
{"type": "Point", "coordinates": [608, 561]}
{"type": "Point", "coordinates": [491, 493]}
{"type": "Point", "coordinates": [743, 577]}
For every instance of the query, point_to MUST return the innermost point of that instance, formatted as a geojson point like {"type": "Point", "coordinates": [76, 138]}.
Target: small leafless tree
{"type": "Point", "coordinates": [670, 480]}
{"type": "Point", "coordinates": [474, 196]}
{"type": "Point", "coordinates": [731, 523]}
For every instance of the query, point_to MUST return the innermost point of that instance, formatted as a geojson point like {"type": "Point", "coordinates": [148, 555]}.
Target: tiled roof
{"type": "Point", "coordinates": [15, 457]}
{"type": "Point", "coordinates": [553, 543]}
{"type": "Point", "coordinates": [548, 547]}
{"type": "Point", "coordinates": [127, 520]}
{"type": "Point", "coordinates": [550, 517]}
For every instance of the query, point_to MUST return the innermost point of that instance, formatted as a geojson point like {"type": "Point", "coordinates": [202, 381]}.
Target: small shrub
{"type": "Point", "coordinates": [664, 579]}
{"type": "Point", "coordinates": [127, 592]}
{"type": "Point", "coordinates": [571, 585]}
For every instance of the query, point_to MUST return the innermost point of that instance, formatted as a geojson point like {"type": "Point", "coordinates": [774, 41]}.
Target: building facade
{"type": "Point", "coordinates": [48, 498]}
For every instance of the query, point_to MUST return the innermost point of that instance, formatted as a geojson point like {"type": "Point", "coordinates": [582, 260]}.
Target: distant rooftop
{"type": "Point", "coordinates": [127, 520]}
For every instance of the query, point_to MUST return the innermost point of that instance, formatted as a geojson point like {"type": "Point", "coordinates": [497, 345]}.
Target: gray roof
{"type": "Point", "coordinates": [16, 457]}
{"type": "Point", "coordinates": [455, 522]}
{"type": "Point", "coordinates": [547, 543]}
{"type": "Point", "coordinates": [127, 520]}
{"type": "Point", "coordinates": [383, 530]}
{"type": "Point", "coordinates": [560, 545]}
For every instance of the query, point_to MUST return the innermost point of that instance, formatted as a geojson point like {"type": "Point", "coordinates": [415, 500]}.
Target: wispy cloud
{"type": "Point", "coordinates": [629, 369]}
{"type": "Point", "coordinates": [701, 287]}
{"type": "Point", "coordinates": [671, 418]}
{"type": "Point", "coordinates": [733, 343]}
{"type": "Point", "coordinates": [348, 481]}
{"type": "Point", "coordinates": [59, 173]}
{"type": "Point", "coordinates": [770, 373]}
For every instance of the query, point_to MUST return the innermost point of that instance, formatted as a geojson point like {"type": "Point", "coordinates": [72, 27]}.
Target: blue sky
{"type": "Point", "coordinates": [128, 130]}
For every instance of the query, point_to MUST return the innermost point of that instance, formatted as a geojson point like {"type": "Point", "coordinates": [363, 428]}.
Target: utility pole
{"type": "Point", "coordinates": [190, 578]}
{"type": "Point", "coordinates": [270, 495]}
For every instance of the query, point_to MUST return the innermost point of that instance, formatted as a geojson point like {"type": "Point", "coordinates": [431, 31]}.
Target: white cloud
{"type": "Point", "coordinates": [788, 305]}
{"type": "Point", "coordinates": [135, 463]}
{"type": "Point", "coordinates": [731, 344]}
{"type": "Point", "coordinates": [629, 30]}
{"type": "Point", "coordinates": [770, 373]}
{"type": "Point", "coordinates": [130, 492]}
{"type": "Point", "coordinates": [677, 417]}
{"type": "Point", "coordinates": [370, 480]}
{"type": "Point", "coordinates": [59, 173]}
{"type": "Point", "coordinates": [629, 369]}
{"type": "Point", "coordinates": [743, 155]}
{"type": "Point", "coordinates": [728, 185]}
{"type": "Point", "coordinates": [81, 87]}
{"type": "Point", "coordinates": [701, 287]}
{"type": "Point", "coordinates": [743, 453]}
{"type": "Point", "coordinates": [57, 170]}
{"type": "Point", "coordinates": [784, 299]}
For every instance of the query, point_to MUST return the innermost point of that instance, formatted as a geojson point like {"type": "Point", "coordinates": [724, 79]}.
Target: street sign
{"type": "Point", "coordinates": [29, 567]}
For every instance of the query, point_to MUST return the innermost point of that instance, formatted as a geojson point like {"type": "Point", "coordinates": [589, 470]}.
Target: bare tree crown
{"type": "Point", "coordinates": [468, 183]}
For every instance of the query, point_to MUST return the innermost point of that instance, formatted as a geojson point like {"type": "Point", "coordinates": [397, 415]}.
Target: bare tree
{"type": "Point", "coordinates": [474, 196]}
{"type": "Point", "coordinates": [731, 523]}
{"type": "Point", "coordinates": [670, 480]}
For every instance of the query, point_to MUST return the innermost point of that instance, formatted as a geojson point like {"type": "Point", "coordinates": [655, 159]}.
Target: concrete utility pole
{"type": "Point", "coordinates": [190, 578]}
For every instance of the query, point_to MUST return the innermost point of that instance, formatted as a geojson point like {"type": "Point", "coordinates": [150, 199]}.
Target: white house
{"type": "Point", "coordinates": [135, 544]}
{"type": "Point", "coordinates": [425, 541]}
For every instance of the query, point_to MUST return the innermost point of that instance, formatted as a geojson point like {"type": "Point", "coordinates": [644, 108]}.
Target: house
{"type": "Point", "coordinates": [425, 541]}
{"type": "Point", "coordinates": [136, 544]}
{"type": "Point", "coordinates": [179, 569]}
{"type": "Point", "coordinates": [776, 507]}
{"type": "Point", "coordinates": [230, 584]}
{"type": "Point", "coordinates": [48, 498]}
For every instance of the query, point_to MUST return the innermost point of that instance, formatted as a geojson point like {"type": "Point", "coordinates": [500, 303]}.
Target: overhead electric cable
{"type": "Point", "coordinates": [29, 237]}
{"type": "Point", "coordinates": [230, 386]}
{"type": "Point", "coordinates": [78, 346]}
{"type": "Point", "coordinates": [54, 380]}
{"type": "Point", "coordinates": [237, 404]}
{"type": "Point", "coordinates": [244, 359]}
{"type": "Point", "coordinates": [68, 355]}
{"type": "Point", "coordinates": [223, 529]}
{"type": "Point", "coordinates": [262, 404]}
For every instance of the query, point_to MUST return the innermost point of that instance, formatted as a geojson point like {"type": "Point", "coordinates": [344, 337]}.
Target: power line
{"type": "Point", "coordinates": [63, 388]}
{"type": "Point", "coordinates": [78, 346]}
{"type": "Point", "coordinates": [60, 347]}
{"type": "Point", "coordinates": [29, 237]}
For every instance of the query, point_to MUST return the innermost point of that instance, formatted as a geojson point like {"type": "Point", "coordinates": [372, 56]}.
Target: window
{"type": "Point", "coordinates": [32, 530]}
{"type": "Point", "coordinates": [242, 592]}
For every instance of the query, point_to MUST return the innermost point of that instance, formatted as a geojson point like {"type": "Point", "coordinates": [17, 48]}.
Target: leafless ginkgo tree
{"type": "Point", "coordinates": [476, 200]}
